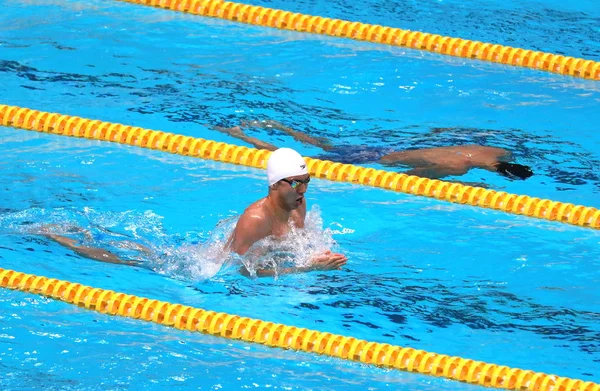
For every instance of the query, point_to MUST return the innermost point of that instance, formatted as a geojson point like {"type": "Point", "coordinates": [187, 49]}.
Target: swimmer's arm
{"type": "Point", "coordinates": [272, 273]}
{"type": "Point", "coordinates": [250, 228]}
{"type": "Point", "coordinates": [325, 261]}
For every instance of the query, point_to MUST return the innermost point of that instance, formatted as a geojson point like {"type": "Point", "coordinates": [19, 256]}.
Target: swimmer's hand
{"type": "Point", "coordinates": [324, 261]}
{"type": "Point", "coordinates": [328, 261]}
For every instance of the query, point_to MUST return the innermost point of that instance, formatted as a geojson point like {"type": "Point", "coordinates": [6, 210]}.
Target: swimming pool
{"type": "Point", "coordinates": [422, 273]}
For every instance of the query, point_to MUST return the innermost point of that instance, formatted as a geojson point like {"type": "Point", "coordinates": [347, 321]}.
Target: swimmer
{"type": "Point", "coordinates": [283, 207]}
{"type": "Point", "coordinates": [427, 162]}
{"type": "Point", "coordinates": [273, 215]}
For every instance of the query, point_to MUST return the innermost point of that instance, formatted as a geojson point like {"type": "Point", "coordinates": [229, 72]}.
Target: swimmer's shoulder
{"type": "Point", "coordinates": [257, 207]}
{"type": "Point", "coordinates": [482, 148]}
{"type": "Point", "coordinates": [256, 213]}
{"type": "Point", "coordinates": [253, 225]}
{"type": "Point", "coordinates": [492, 152]}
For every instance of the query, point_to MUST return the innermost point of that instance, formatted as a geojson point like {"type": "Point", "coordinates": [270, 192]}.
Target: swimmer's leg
{"type": "Point", "coordinates": [128, 244]}
{"type": "Point", "coordinates": [238, 133]}
{"type": "Point", "coordinates": [97, 254]}
{"type": "Point", "coordinates": [298, 136]}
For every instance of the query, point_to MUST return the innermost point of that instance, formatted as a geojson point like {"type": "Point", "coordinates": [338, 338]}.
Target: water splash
{"type": "Point", "coordinates": [195, 262]}
{"type": "Point", "coordinates": [296, 249]}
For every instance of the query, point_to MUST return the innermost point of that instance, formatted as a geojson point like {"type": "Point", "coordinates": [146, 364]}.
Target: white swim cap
{"type": "Point", "coordinates": [283, 163]}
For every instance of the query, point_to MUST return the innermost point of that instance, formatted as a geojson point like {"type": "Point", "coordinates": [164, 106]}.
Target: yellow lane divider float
{"type": "Point", "coordinates": [65, 125]}
{"type": "Point", "coordinates": [290, 337]}
{"type": "Point", "coordinates": [457, 47]}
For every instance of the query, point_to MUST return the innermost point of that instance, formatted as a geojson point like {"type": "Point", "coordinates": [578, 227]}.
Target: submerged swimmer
{"type": "Point", "coordinates": [428, 162]}
{"type": "Point", "coordinates": [284, 207]}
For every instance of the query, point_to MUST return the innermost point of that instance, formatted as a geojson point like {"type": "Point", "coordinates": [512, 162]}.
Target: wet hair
{"type": "Point", "coordinates": [513, 170]}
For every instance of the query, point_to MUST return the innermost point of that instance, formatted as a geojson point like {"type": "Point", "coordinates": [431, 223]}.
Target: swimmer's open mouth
{"type": "Point", "coordinates": [299, 200]}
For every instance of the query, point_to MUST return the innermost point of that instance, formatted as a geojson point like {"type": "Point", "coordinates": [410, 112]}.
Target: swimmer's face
{"type": "Point", "coordinates": [292, 190]}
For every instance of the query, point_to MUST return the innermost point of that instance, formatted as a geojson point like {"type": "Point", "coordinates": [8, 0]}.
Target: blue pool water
{"type": "Point", "coordinates": [426, 274]}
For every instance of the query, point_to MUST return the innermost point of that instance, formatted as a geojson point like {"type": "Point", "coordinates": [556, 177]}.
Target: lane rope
{"type": "Point", "coordinates": [66, 125]}
{"type": "Point", "coordinates": [289, 337]}
{"type": "Point", "coordinates": [457, 47]}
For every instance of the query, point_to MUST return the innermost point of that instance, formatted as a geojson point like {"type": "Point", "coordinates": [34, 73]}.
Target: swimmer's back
{"type": "Point", "coordinates": [471, 155]}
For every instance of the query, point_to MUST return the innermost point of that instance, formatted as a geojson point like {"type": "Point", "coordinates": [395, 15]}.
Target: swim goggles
{"type": "Point", "coordinates": [294, 183]}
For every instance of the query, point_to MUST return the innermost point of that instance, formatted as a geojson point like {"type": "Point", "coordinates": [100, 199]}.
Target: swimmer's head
{"type": "Point", "coordinates": [513, 170]}
{"type": "Point", "coordinates": [285, 163]}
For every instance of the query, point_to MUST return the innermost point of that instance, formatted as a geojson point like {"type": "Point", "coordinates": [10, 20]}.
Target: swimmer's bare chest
{"type": "Point", "coordinates": [279, 229]}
